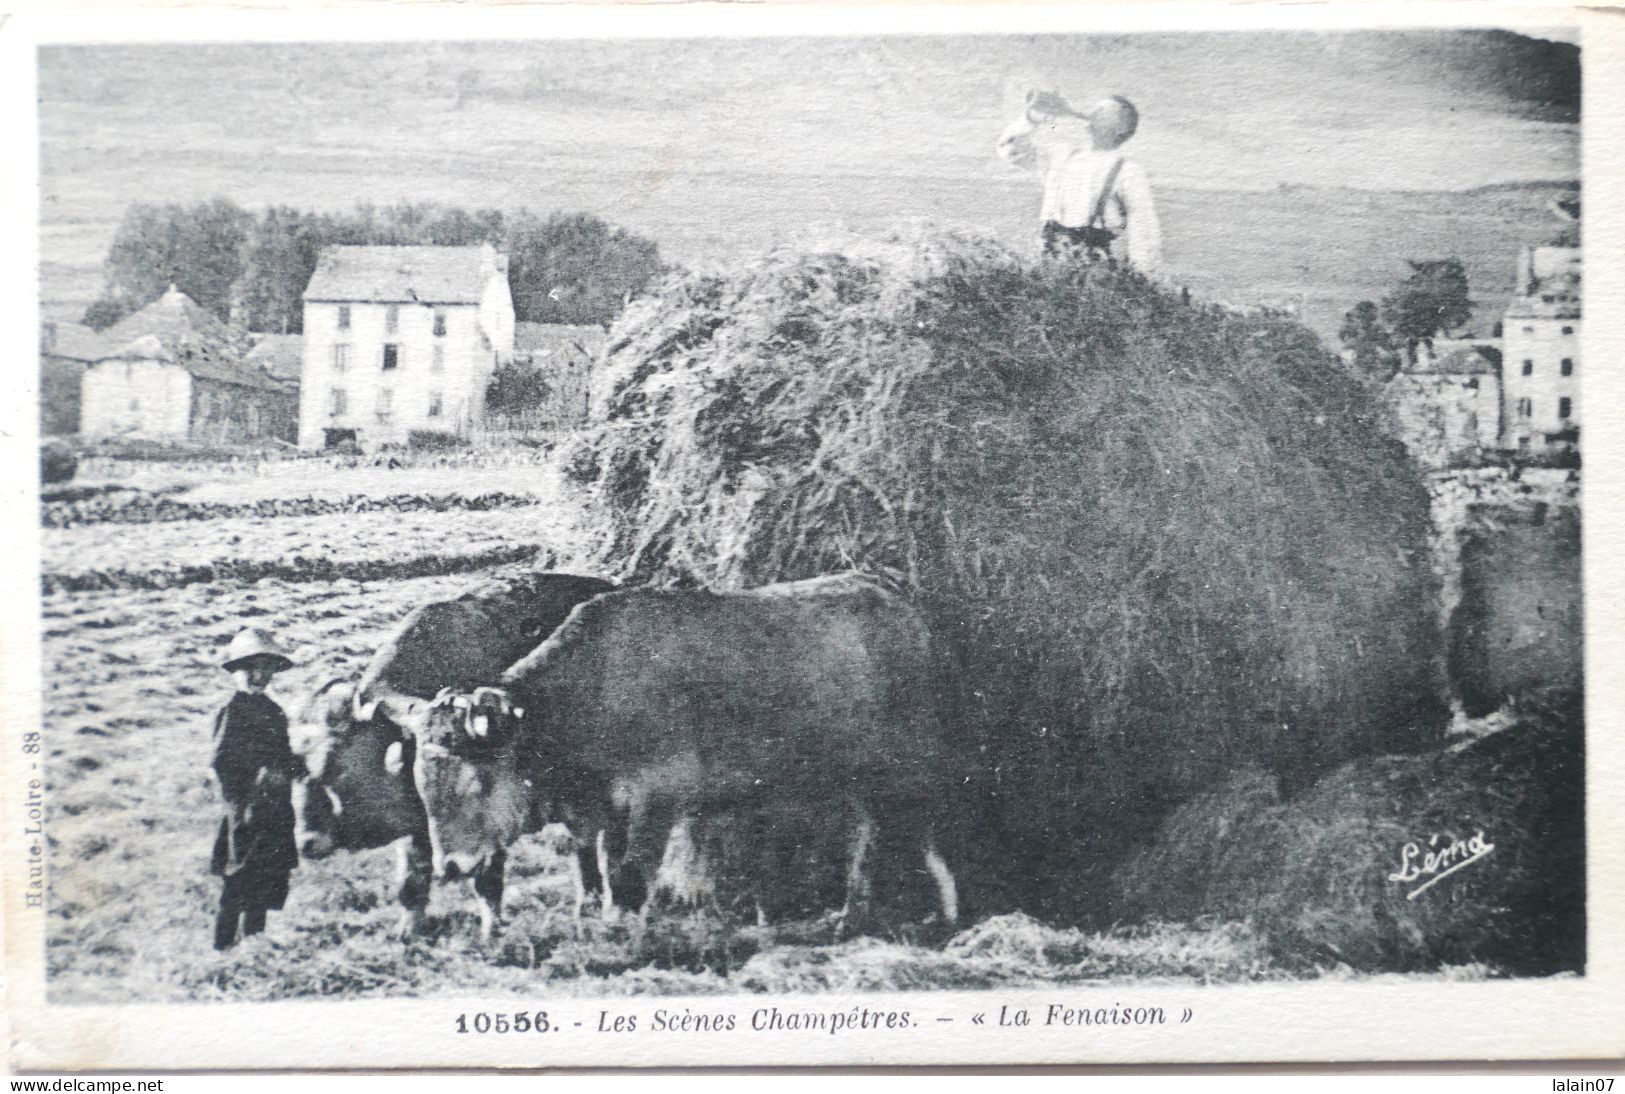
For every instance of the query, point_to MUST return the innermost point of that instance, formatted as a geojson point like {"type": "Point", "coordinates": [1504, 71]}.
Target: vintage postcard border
{"type": "Point", "coordinates": [1370, 1019]}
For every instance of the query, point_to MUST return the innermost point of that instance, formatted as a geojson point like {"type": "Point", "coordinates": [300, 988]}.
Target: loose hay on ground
{"type": "Point", "coordinates": [1317, 873]}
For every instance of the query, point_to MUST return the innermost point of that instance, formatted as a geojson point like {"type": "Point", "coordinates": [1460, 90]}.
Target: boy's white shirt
{"type": "Point", "coordinates": [1073, 172]}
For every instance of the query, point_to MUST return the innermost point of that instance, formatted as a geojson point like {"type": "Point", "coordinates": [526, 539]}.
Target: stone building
{"type": "Point", "coordinates": [66, 351]}
{"type": "Point", "coordinates": [401, 341]}
{"type": "Point", "coordinates": [281, 355]}
{"type": "Point", "coordinates": [563, 354]}
{"type": "Point", "coordinates": [174, 372]}
{"type": "Point", "coordinates": [1541, 345]}
{"type": "Point", "coordinates": [1520, 392]}
{"type": "Point", "coordinates": [1447, 401]}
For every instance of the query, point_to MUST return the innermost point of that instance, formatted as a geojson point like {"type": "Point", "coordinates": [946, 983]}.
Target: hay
{"type": "Point", "coordinates": [1161, 540]}
{"type": "Point", "coordinates": [1314, 873]}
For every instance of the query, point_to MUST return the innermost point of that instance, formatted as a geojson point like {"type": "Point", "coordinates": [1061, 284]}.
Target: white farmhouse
{"type": "Point", "coordinates": [401, 340]}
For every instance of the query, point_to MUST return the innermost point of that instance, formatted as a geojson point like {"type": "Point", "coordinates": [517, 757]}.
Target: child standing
{"type": "Point", "coordinates": [254, 851]}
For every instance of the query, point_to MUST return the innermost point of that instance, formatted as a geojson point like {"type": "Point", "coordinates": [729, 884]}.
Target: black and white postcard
{"type": "Point", "coordinates": [640, 536]}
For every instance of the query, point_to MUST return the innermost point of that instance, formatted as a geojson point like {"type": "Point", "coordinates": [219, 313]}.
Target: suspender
{"type": "Point", "coordinates": [1097, 219]}
{"type": "Point", "coordinates": [1094, 238]}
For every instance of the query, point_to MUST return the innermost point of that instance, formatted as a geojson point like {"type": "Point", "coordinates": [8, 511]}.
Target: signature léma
{"type": "Point", "coordinates": [1436, 862]}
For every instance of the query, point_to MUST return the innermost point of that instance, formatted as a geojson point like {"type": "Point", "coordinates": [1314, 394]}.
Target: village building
{"type": "Point", "coordinates": [1448, 401]}
{"type": "Point", "coordinates": [563, 356]}
{"type": "Point", "coordinates": [1541, 344]}
{"type": "Point", "coordinates": [1458, 399]}
{"type": "Point", "coordinates": [174, 372]}
{"type": "Point", "coordinates": [401, 341]}
{"type": "Point", "coordinates": [66, 351]}
{"type": "Point", "coordinates": [281, 355]}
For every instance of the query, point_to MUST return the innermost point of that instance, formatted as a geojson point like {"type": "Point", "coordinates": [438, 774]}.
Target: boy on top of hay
{"type": "Point", "coordinates": [1097, 201]}
{"type": "Point", "coordinates": [254, 850]}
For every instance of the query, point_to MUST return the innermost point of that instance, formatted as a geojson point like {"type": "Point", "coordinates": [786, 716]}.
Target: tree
{"type": "Point", "coordinates": [279, 261]}
{"type": "Point", "coordinates": [569, 268]}
{"type": "Point", "coordinates": [1432, 301]}
{"type": "Point", "coordinates": [1371, 344]}
{"type": "Point", "coordinates": [575, 268]}
{"type": "Point", "coordinates": [196, 248]}
{"type": "Point", "coordinates": [516, 388]}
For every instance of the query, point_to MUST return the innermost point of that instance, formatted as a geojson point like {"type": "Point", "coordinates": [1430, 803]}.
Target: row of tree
{"type": "Point", "coordinates": [1433, 300]}
{"type": "Point", "coordinates": [564, 268]}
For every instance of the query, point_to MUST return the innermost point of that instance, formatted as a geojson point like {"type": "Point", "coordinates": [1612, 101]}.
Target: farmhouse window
{"type": "Point", "coordinates": [437, 362]}
{"type": "Point", "coordinates": [440, 322]}
{"type": "Point", "coordinates": [386, 403]}
{"type": "Point", "coordinates": [1568, 330]}
{"type": "Point", "coordinates": [392, 355]}
{"type": "Point", "coordinates": [1565, 407]}
{"type": "Point", "coordinates": [1529, 330]}
{"type": "Point", "coordinates": [1567, 367]}
{"type": "Point", "coordinates": [341, 357]}
{"type": "Point", "coordinates": [1528, 367]}
{"type": "Point", "coordinates": [336, 402]}
{"type": "Point", "coordinates": [344, 317]}
{"type": "Point", "coordinates": [1526, 408]}
{"type": "Point", "coordinates": [1523, 444]}
{"type": "Point", "coordinates": [392, 319]}
{"type": "Point", "coordinates": [434, 404]}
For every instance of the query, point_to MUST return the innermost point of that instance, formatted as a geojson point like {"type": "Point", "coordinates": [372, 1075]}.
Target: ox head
{"type": "Point", "coordinates": [357, 791]}
{"type": "Point", "coordinates": [467, 774]}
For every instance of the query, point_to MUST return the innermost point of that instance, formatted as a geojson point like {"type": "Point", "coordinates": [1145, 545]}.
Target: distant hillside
{"type": "Point", "coordinates": [1542, 77]}
{"type": "Point", "coordinates": [716, 148]}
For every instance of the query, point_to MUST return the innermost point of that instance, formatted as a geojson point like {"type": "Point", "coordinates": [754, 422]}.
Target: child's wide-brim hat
{"type": "Point", "coordinates": [254, 644]}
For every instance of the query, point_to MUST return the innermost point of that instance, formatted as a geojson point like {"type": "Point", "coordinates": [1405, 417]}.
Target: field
{"type": "Point", "coordinates": [129, 690]}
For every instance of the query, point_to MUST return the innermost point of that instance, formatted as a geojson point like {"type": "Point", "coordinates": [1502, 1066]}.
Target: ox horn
{"type": "Point", "coordinates": [485, 691]}
{"type": "Point", "coordinates": [478, 724]}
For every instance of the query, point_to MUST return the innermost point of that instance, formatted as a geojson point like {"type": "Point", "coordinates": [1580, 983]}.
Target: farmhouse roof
{"type": "Point", "coordinates": [544, 342]}
{"type": "Point", "coordinates": [1471, 361]}
{"type": "Point", "coordinates": [176, 330]}
{"type": "Point", "coordinates": [173, 318]}
{"type": "Point", "coordinates": [206, 362]}
{"type": "Point", "coordinates": [405, 275]}
{"type": "Point", "coordinates": [281, 355]}
{"type": "Point", "coordinates": [73, 341]}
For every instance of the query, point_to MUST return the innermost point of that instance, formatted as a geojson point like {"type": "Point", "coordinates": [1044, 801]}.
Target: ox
{"type": "Point", "coordinates": [357, 793]}
{"type": "Point", "coordinates": [659, 706]}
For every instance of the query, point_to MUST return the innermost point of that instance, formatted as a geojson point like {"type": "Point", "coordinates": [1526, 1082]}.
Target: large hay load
{"type": "Point", "coordinates": [1159, 540]}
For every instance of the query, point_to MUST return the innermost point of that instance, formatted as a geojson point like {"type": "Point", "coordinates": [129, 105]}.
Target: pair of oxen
{"type": "Point", "coordinates": [635, 717]}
